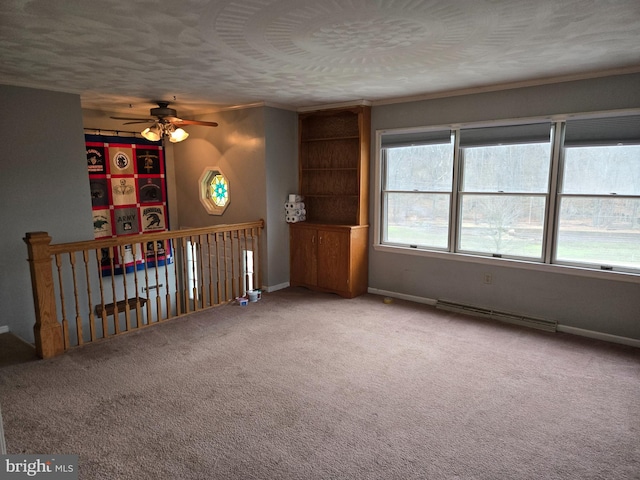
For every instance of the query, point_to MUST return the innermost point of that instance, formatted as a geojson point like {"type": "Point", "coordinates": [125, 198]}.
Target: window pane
{"type": "Point", "coordinates": [420, 168]}
{"type": "Point", "coordinates": [417, 219]}
{"type": "Point", "coordinates": [602, 231]}
{"type": "Point", "coordinates": [602, 170]}
{"type": "Point", "coordinates": [219, 190]}
{"type": "Point", "coordinates": [522, 168]}
{"type": "Point", "coordinates": [502, 224]}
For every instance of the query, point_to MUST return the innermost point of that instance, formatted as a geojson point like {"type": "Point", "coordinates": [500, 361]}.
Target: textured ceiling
{"type": "Point", "coordinates": [300, 53]}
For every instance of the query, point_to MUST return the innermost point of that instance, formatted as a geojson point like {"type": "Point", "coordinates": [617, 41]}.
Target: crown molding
{"type": "Point", "coordinates": [352, 103]}
{"type": "Point", "coordinates": [511, 85]}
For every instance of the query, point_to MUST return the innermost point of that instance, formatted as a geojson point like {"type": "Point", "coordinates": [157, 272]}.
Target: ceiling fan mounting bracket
{"type": "Point", "coordinates": [163, 110]}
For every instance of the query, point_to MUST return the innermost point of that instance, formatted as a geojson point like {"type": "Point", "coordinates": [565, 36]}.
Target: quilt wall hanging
{"type": "Point", "coordinates": [128, 197]}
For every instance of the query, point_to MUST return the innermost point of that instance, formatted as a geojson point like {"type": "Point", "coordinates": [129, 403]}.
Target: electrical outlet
{"type": "Point", "coordinates": [488, 279]}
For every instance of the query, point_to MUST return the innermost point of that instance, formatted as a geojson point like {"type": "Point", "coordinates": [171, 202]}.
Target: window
{"type": "Point", "coordinates": [541, 192]}
{"type": "Point", "coordinates": [599, 196]}
{"type": "Point", "coordinates": [214, 191]}
{"type": "Point", "coordinates": [417, 191]}
{"type": "Point", "coordinates": [219, 190]}
{"type": "Point", "coordinates": [504, 190]}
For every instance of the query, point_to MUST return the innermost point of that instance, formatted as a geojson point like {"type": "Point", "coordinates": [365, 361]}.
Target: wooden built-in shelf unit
{"type": "Point", "coordinates": [334, 165]}
{"type": "Point", "coordinates": [329, 250]}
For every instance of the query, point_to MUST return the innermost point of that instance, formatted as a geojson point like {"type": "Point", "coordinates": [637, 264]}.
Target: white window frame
{"type": "Point", "coordinates": [384, 192]}
{"type": "Point", "coordinates": [562, 194]}
{"type": "Point", "coordinates": [547, 264]}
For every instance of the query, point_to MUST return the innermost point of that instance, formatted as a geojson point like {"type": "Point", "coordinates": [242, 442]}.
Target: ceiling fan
{"type": "Point", "coordinates": [165, 124]}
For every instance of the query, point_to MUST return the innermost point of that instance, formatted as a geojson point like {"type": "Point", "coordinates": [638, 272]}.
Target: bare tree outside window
{"type": "Point", "coordinates": [418, 195]}
{"type": "Point", "coordinates": [503, 196]}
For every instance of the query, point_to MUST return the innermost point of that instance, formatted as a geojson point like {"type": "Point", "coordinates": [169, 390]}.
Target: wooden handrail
{"type": "Point", "coordinates": [205, 270]}
{"type": "Point", "coordinates": [149, 237]}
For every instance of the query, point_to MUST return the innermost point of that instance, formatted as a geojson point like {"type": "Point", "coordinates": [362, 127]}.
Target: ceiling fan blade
{"type": "Point", "coordinates": [133, 118]}
{"type": "Point", "coordinates": [139, 121]}
{"type": "Point", "coordinates": [182, 121]}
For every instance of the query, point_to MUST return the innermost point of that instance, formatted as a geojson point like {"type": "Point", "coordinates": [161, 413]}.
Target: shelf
{"type": "Point", "coordinates": [329, 139]}
{"type": "Point", "coordinates": [334, 164]}
{"type": "Point", "coordinates": [330, 195]}
{"type": "Point", "coordinates": [329, 169]}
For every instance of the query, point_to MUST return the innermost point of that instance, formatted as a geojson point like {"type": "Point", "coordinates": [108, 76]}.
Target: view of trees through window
{"type": "Point", "coordinates": [418, 195]}
{"type": "Point", "coordinates": [502, 201]}
{"type": "Point", "coordinates": [599, 215]}
{"type": "Point", "coordinates": [503, 197]}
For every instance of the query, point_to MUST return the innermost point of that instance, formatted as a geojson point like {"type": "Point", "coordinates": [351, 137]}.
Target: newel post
{"type": "Point", "coordinates": [47, 330]}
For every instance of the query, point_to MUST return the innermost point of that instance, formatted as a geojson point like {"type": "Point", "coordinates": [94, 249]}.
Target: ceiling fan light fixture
{"type": "Point", "coordinates": [178, 135]}
{"type": "Point", "coordinates": [164, 124]}
{"type": "Point", "coordinates": [152, 133]}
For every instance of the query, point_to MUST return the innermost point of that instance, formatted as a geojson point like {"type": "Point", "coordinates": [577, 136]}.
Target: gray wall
{"type": "Point", "coordinates": [256, 149]}
{"type": "Point", "coordinates": [607, 306]}
{"type": "Point", "coordinates": [282, 178]}
{"type": "Point", "coordinates": [43, 187]}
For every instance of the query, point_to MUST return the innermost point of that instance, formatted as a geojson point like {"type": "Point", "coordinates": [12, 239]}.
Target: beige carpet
{"type": "Point", "coordinates": [304, 385]}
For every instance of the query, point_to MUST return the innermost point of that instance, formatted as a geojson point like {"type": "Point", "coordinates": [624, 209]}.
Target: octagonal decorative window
{"type": "Point", "coordinates": [214, 191]}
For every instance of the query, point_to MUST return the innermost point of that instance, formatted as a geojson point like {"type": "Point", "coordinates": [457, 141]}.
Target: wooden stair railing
{"type": "Point", "coordinates": [88, 291]}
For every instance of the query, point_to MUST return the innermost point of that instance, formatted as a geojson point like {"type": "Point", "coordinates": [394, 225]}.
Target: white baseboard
{"type": "Point", "coordinates": [4, 329]}
{"type": "Point", "coordinates": [599, 336]}
{"type": "Point", "coordinates": [560, 328]}
{"type": "Point", "coordinates": [402, 296]}
{"type": "Point", "coordinates": [273, 288]}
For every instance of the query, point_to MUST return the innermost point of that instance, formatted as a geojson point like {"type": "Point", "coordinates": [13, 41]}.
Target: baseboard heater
{"type": "Point", "coordinates": [547, 325]}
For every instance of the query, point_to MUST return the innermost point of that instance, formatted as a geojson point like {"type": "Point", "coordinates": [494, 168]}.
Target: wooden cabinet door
{"type": "Point", "coordinates": [304, 261]}
{"type": "Point", "coordinates": [333, 260]}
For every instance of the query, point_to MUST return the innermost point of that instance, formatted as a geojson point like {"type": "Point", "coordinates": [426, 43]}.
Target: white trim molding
{"type": "Point", "coordinates": [560, 328]}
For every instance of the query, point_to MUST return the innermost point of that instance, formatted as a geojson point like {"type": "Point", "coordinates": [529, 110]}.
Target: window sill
{"type": "Point", "coordinates": [510, 263]}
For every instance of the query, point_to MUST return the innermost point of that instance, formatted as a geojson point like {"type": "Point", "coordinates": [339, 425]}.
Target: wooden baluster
{"type": "Point", "coordinates": [241, 265]}
{"type": "Point", "coordinates": [116, 316]}
{"type": "Point", "coordinates": [248, 280]}
{"type": "Point", "coordinates": [228, 269]}
{"type": "Point", "coordinates": [127, 316]}
{"type": "Point", "coordinates": [167, 251]}
{"type": "Point", "coordinates": [238, 276]}
{"type": "Point", "coordinates": [79, 337]}
{"type": "Point", "coordinates": [247, 249]}
{"type": "Point", "coordinates": [47, 331]}
{"type": "Point", "coordinates": [202, 290]}
{"type": "Point", "coordinates": [92, 319]}
{"type": "Point", "coordinates": [134, 251]}
{"type": "Point", "coordinates": [145, 252]}
{"type": "Point", "coordinates": [65, 322]}
{"type": "Point", "coordinates": [247, 267]}
{"type": "Point", "coordinates": [212, 300]}
{"type": "Point", "coordinates": [249, 244]}
{"type": "Point", "coordinates": [103, 315]}
{"type": "Point", "coordinates": [185, 281]}
{"type": "Point", "coordinates": [255, 243]}
{"type": "Point", "coordinates": [194, 262]}
{"type": "Point", "coordinates": [233, 265]}
{"type": "Point", "coordinates": [176, 260]}
{"type": "Point", "coordinates": [218, 281]}
{"type": "Point", "coordinates": [158, 301]}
